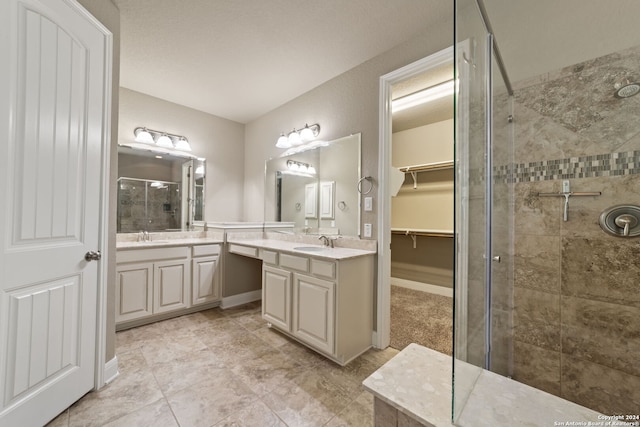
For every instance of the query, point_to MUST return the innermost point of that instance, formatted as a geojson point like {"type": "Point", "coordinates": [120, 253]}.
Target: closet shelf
{"type": "Point", "coordinates": [414, 233]}
{"type": "Point", "coordinates": [425, 167]}
{"type": "Point", "coordinates": [422, 232]}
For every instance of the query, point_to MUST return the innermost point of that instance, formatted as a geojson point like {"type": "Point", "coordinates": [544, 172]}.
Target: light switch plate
{"type": "Point", "coordinates": [368, 204]}
{"type": "Point", "coordinates": [367, 230]}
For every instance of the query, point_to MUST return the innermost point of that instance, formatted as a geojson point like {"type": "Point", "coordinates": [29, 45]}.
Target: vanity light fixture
{"type": "Point", "coordinates": [297, 137]}
{"type": "Point", "coordinates": [161, 139]}
{"type": "Point", "coordinates": [299, 168]}
{"type": "Point", "coordinates": [422, 97]}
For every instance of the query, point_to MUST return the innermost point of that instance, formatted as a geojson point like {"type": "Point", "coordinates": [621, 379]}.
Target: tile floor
{"type": "Point", "coordinates": [225, 368]}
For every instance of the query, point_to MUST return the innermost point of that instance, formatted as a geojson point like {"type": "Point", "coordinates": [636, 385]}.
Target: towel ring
{"type": "Point", "coordinates": [368, 178]}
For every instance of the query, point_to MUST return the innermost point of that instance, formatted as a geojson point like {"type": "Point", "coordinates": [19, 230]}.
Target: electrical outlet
{"type": "Point", "coordinates": [566, 186]}
{"type": "Point", "coordinates": [368, 204]}
{"type": "Point", "coordinates": [367, 230]}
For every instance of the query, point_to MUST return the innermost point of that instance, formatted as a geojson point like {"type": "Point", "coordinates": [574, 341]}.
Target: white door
{"type": "Point", "coordinates": [54, 85]}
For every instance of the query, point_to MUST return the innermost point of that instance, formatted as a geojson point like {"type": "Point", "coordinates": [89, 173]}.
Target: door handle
{"type": "Point", "coordinates": [92, 256]}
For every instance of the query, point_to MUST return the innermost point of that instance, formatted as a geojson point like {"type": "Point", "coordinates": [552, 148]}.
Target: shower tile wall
{"type": "Point", "coordinates": [577, 290]}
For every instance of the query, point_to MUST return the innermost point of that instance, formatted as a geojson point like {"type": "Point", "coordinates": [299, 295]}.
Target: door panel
{"type": "Point", "coordinates": [53, 127]}
{"type": "Point", "coordinates": [276, 297]}
{"type": "Point", "coordinates": [313, 311]}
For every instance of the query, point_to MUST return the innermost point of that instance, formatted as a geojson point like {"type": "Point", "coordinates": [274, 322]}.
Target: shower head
{"type": "Point", "coordinates": [626, 88]}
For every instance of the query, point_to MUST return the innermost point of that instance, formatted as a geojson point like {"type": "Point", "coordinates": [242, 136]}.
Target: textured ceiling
{"type": "Point", "coordinates": [239, 59]}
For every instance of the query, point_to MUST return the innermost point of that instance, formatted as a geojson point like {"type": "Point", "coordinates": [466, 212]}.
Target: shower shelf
{"type": "Point", "coordinates": [566, 196]}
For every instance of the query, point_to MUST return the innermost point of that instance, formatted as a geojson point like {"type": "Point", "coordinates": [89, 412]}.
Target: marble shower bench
{"type": "Point", "coordinates": [414, 389]}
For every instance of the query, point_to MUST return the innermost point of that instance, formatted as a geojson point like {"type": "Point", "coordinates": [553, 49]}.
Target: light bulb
{"type": "Point", "coordinates": [164, 141]}
{"type": "Point", "coordinates": [283, 141]}
{"type": "Point", "coordinates": [306, 134]}
{"type": "Point", "coordinates": [143, 135]}
{"type": "Point", "coordinates": [183, 145]}
{"type": "Point", "coordinates": [294, 138]}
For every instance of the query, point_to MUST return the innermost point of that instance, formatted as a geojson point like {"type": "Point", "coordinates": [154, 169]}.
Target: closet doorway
{"type": "Point", "coordinates": [421, 200]}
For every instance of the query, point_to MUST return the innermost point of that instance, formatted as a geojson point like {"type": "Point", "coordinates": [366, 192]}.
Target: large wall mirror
{"type": "Point", "coordinates": [159, 191]}
{"type": "Point", "coordinates": [315, 187]}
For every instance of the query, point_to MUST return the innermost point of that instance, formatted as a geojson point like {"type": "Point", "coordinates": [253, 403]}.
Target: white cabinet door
{"type": "Point", "coordinates": [205, 286]}
{"type": "Point", "coordinates": [170, 285]}
{"type": "Point", "coordinates": [276, 297]}
{"type": "Point", "coordinates": [314, 311]}
{"type": "Point", "coordinates": [54, 104]}
{"type": "Point", "coordinates": [134, 292]}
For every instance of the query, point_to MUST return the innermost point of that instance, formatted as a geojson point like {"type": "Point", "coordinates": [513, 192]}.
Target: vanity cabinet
{"type": "Point", "coordinates": [160, 282]}
{"type": "Point", "coordinates": [170, 285]}
{"type": "Point", "coordinates": [325, 304]}
{"type": "Point", "coordinates": [314, 311]}
{"type": "Point", "coordinates": [134, 295]}
{"type": "Point", "coordinates": [205, 280]}
{"type": "Point", "coordinates": [276, 297]}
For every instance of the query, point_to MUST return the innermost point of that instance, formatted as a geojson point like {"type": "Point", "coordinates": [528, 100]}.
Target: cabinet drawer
{"type": "Point", "coordinates": [155, 254]}
{"type": "Point", "coordinates": [323, 268]}
{"type": "Point", "coordinates": [270, 257]}
{"type": "Point", "coordinates": [243, 250]}
{"type": "Point", "coordinates": [205, 250]}
{"type": "Point", "coordinates": [294, 262]}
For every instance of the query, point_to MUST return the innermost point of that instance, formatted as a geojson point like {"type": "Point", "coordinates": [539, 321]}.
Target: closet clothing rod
{"type": "Point", "coordinates": [423, 233]}
{"type": "Point", "coordinates": [427, 166]}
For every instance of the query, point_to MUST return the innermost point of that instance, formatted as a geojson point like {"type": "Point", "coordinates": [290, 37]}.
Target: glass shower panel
{"type": "Point", "coordinates": [472, 238]}
{"type": "Point", "coordinates": [147, 205]}
{"type": "Point", "coordinates": [502, 229]}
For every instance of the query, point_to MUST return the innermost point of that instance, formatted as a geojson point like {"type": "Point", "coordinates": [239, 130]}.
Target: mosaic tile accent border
{"type": "Point", "coordinates": [601, 165]}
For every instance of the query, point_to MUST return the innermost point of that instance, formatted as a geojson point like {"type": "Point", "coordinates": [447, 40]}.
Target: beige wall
{"type": "Point", "coordinates": [219, 140]}
{"type": "Point", "coordinates": [344, 105]}
{"type": "Point", "coordinates": [109, 15]}
{"type": "Point", "coordinates": [427, 207]}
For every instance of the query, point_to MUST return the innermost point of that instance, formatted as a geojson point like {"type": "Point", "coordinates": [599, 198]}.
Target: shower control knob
{"type": "Point", "coordinates": [92, 256]}
{"type": "Point", "coordinates": [626, 221]}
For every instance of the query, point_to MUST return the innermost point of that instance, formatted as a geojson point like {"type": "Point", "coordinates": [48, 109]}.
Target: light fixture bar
{"type": "Point", "coordinates": [424, 96]}
{"type": "Point", "coordinates": [298, 137]}
{"type": "Point", "coordinates": [161, 139]}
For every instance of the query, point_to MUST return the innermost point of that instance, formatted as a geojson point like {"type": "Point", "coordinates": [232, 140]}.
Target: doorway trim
{"type": "Point", "coordinates": [381, 338]}
{"type": "Point", "coordinates": [105, 370]}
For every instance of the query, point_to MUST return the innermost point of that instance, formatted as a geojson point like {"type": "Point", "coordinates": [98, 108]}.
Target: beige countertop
{"type": "Point", "coordinates": [316, 251]}
{"type": "Point", "coordinates": [164, 242]}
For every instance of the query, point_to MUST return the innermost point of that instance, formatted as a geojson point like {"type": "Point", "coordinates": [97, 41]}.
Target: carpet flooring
{"type": "Point", "coordinates": [422, 318]}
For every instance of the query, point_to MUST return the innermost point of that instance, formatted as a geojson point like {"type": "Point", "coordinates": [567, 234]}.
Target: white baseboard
{"type": "Point", "coordinates": [111, 370]}
{"type": "Point", "coordinates": [234, 300]}
{"type": "Point", "coordinates": [424, 287]}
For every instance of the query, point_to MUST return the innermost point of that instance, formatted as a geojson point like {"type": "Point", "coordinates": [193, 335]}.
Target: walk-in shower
{"type": "Point", "coordinates": [544, 294]}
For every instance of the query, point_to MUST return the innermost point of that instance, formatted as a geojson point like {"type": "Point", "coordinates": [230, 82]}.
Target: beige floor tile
{"type": "Point", "coordinates": [61, 420]}
{"type": "Point", "coordinates": [271, 336]}
{"type": "Point", "coordinates": [218, 332]}
{"type": "Point", "coordinates": [186, 370]}
{"type": "Point", "coordinates": [240, 347]}
{"type": "Point", "coordinates": [297, 406]}
{"type": "Point", "coordinates": [264, 373]}
{"type": "Point", "coordinates": [358, 413]}
{"type": "Point", "coordinates": [210, 401]}
{"type": "Point", "coordinates": [171, 347]}
{"type": "Point", "coordinates": [256, 414]}
{"type": "Point", "coordinates": [157, 414]}
{"type": "Point", "coordinates": [135, 388]}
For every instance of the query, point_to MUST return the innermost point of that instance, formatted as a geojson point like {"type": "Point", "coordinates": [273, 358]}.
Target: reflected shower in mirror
{"type": "Point", "coordinates": [159, 191]}
{"type": "Point", "coordinates": [316, 188]}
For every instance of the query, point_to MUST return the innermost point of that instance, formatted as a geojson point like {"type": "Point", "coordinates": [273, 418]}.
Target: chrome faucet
{"type": "Point", "coordinates": [143, 236]}
{"type": "Point", "coordinates": [326, 241]}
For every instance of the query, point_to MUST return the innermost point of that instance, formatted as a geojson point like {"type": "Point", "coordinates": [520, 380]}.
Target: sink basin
{"type": "Point", "coordinates": [310, 248]}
